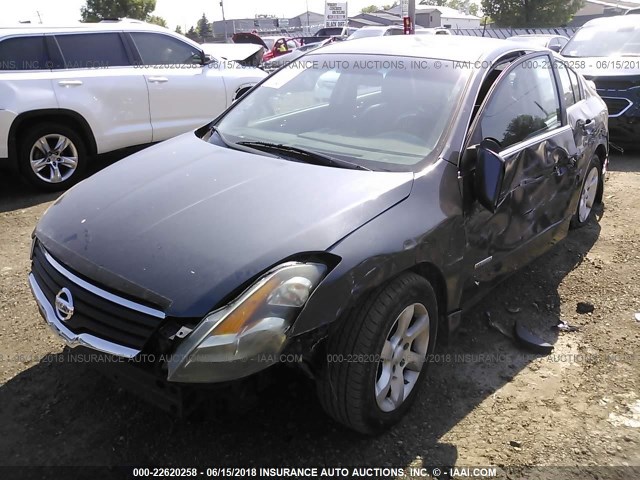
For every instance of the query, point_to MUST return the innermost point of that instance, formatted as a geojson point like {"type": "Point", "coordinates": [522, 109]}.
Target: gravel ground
{"type": "Point", "coordinates": [497, 406]}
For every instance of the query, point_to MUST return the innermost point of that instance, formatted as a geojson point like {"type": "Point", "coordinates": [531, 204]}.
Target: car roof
{"type": "Point", "coordinates": [118, 26]}
{"type": "Point", "coordinates": [617, 21]}
{"type": "Point", "coordinates": [443, 47]}
{"type": "Point", "coordinates": [536, 35]}
{"type": "Point", "coordinates": [379, 27]}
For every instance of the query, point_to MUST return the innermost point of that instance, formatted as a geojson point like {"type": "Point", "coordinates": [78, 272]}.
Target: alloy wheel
{"type": "Point", "coordinates": [402, 357]}
{"type": "Point", "coordinates": [53, 158]}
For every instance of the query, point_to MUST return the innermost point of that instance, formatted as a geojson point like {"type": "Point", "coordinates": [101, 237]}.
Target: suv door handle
{"type": "Point", "coordinates": [158, 79]}
{"type": "Point", "coordinates": [70, 83]}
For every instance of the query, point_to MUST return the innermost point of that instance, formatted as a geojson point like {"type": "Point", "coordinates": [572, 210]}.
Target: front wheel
{"type": "Point", "coordinates": [588, 194]}
{"type": "Point", "coordinates": [376, 358]}
{"type": "Point", "coordinates": [52, 156]}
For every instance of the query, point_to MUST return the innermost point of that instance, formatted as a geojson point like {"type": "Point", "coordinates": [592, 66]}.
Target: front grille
{"type": "Point", "coordinates": [93, 314]}
{"type": "Point", "coordinates": [616, 105]}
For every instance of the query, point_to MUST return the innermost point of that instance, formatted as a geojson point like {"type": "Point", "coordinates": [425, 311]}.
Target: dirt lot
{"type": "Point", "coordinates": [499, 406]}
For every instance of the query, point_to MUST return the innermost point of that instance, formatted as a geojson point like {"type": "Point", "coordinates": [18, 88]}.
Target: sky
{"type": "Point", "coordinates": [175, 12]}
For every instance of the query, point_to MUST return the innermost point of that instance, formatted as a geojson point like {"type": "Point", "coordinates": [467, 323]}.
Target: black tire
{"type": "Point", "coordinates": [594, 189]}
{"type": "Point", "coordinates": [346, 385]}
{"type": "Point", "coordinates": [76, 149]}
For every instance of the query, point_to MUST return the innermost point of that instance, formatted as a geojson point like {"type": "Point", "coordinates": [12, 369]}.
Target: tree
{"type": "Point", "coordinates": [369, 9]}
{"type": "Point", "coordinates": [435, 3]}
{"type": "Point", "coordinates": [96, 10]}
{"type": "Point", "coordinates": [531, 13]}
{"type": "Point", "coordinates": [389, 7]}
{"type": "Point", "coordinates": [179, 29]}
{"type": "Point", "coordinates": [155, 19]}
{"type": "Point", "coordinates": [203, 27]}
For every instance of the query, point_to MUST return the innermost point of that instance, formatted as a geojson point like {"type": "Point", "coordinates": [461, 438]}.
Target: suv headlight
{"type": "Point", "coordinates": [247, 335]}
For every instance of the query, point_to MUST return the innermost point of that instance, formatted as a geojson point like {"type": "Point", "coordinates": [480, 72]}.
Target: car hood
{"type": "Point", "coordinates": [248, 38]}
{"type": "Point", "coordinates": [238, 52]}
{"type": "Point", "coordinates": [185, 223]}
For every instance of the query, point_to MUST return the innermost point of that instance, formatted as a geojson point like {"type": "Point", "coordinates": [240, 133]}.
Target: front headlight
{"type": "Point", "coordinates": [247, 335]}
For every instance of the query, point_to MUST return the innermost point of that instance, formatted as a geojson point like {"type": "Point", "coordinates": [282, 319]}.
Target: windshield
{"type": "Point", "coordinates": [604, 41]}
{"type": "Point", "coordinates": [383, 113]}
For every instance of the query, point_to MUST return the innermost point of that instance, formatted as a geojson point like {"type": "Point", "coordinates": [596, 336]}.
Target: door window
{"type": "Point", "coordinates": [158, 49]}
{"type": "Point", "coordinates": [23, 53]}
{"type": "Point", "coordinates": [566, 86]}
{"type": "Point", "coordinates": [93, 50]}
{"type": "Point", "coordinates": [525, 103]}
{"type": "Point", "coordinates": [577, 91]}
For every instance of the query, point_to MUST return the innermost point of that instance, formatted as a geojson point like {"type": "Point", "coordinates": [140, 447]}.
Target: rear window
{"type": "Point", "coordinates": [23, 53]}
{"type": "Point", "coordinates": [93, 50]}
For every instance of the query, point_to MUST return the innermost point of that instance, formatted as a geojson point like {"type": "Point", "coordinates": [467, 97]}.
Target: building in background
{"type": "Point", "coordinates": [306, 23]}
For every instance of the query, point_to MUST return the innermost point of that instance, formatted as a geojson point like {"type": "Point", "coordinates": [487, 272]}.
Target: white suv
{"type": "Point", "coordinates": [68, 93]}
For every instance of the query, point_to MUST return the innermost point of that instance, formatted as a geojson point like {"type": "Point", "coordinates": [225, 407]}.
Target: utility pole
{"type": "Point", "coordinates": [308, 23]}
{"type": "Point", "coordinates": [224, 20]}
{"type": "Point", "coordinates": [412, 15]}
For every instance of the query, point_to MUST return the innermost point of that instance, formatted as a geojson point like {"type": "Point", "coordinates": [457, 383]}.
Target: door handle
{"type": "Point", "coordinates": [588, 127]}
{"type": "Point", "coordinates": [70, 83]}
{"type": "Point", "coordinates": [158, 79]}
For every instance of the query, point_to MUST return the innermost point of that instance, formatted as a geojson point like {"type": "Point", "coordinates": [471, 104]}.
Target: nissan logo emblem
{"type": "Point", "coordinates": [64, 305]}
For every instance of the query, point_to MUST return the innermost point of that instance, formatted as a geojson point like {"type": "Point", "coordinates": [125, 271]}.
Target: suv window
{"type": "Point", "coordinates": [525, 103]}
{"type": "Point", "coordinates": [93, 50]}
{"type": "Point", "coordinates": [23, 53]}
{"type": "Point", "coordinates": [158, 49]}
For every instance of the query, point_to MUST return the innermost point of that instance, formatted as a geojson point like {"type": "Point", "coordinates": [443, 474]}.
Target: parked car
{"type": "Point", "coordinates": [433, 31]}
{"type": "Point", "coordinates": [340, 237]}
{"type": "Point", "coordinates": [277, 46]}
{"type": "Point", "coordinates": [371, 31]}
{"type": "Point", "coordinates": [343, 32]}
{"type": "Point", "coordinates": [607, 51]}
{"type": "Point", "coordinates": [552, 42]}
{"type": "Point", "coordinates": [68, 93]}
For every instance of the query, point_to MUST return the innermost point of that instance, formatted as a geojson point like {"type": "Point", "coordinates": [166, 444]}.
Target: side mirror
{"type": "Point", "coordinates": [488, 178]}
{"type": "Point", "coordinates": [207, 59]}
{"type": "Point", "coordinates": [555, 48]}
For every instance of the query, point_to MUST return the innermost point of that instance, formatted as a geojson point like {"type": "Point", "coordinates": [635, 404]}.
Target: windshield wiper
{"type": "Point", "coordinates": [304, 155]}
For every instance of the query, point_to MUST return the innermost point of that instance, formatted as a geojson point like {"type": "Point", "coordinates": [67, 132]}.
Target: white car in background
{"type": "Point", "coordinates": [69, 93]}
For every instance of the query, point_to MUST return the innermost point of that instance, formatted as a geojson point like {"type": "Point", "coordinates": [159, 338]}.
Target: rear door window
{"type": "Point", "coordinates": [93, 50]}
{"type": "Point", "coordinates": [577, 90]}
{"type": "Point", "coordinates": [158, 49]}
{"type": "Point", "coordinates": [566, 86]}
{"type": "Point", "coordinates": [23, 53]}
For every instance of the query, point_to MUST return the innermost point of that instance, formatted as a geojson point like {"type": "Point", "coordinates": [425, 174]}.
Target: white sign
{"type": "Point", "coordinates": [405, 8]}
{"type": "Point", "coordinates": [335, 14]}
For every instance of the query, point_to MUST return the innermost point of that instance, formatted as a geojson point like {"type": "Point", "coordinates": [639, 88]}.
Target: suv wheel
{"type": "Point", "coordinates": [376, 358]}
{"type": "Point", "coordinates": [51, 156]}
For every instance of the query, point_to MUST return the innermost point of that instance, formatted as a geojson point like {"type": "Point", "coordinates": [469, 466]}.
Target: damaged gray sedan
{"type": "Point", "coordinates": [340, 218]}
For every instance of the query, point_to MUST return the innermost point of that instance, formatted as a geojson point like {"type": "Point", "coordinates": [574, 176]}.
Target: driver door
{"type": "Point", "coordinates": [521, 121]}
